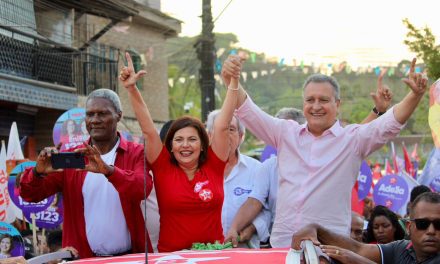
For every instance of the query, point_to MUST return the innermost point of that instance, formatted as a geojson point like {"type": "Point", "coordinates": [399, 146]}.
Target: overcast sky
{"type": "Point", "coordinates": [360, 32]}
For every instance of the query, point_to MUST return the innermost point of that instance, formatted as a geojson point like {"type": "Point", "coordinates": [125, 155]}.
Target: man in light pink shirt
{"type": "Point", "coordinates": [319, 161]}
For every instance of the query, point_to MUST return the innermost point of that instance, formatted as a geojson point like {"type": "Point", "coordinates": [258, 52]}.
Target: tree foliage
{"type": "Point", "coordinates": [273, 85]}
{"type": "Point", "coordinates": [422, 42]}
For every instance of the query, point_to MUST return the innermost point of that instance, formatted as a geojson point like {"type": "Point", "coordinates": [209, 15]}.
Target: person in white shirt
{"type": "Point", "coordinates": [239, 174]}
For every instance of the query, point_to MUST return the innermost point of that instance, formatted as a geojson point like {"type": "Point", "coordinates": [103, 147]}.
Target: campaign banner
{"type": "Point", "coordinates": [435, 184]}
{"type": "Point", "coordinates": [268, 152]}
{"type": "Point", "coordinates": [365, 179]}
{"type": "Point", "coordinates": [49, 218]}
{"type": "Point", "coordinates": [70, 129]}
{"type": "Point", "coordinates": [11, 242]}
{"type": "Point", "coordinates": [431, 172]}
{"type": "Point", "coordinates": [14, 193]}
{"type": "Point", "coordinates": [391, 191]}
{"type": "Point", "coordinates": [228, 256]}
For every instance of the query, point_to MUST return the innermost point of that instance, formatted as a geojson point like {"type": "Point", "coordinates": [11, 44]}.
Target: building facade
{"type": "Point", "coordinates": [54, 52]}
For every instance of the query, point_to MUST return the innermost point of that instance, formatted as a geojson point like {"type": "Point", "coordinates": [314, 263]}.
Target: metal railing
{"type": "Point", "coordinates": [28, 56]}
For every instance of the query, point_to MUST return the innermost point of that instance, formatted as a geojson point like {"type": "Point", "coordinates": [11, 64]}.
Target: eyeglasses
{"type": "Point", "coordinates": [424, 223]}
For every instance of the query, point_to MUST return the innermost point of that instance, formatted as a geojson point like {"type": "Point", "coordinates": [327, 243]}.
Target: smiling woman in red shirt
{"type": "Point", "coordinates": [188, 171]}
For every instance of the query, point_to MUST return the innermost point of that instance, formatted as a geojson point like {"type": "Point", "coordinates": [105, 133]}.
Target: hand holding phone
{"type": "Point", "coordinates": [68, 160]}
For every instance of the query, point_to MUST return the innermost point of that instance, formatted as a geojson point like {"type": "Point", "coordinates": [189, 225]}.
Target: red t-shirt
{"type": "Point", "coordinates": [190, 211]}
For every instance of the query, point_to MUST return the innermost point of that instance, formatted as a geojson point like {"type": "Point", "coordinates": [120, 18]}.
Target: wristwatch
{"type": "Point", "coordinates": [377, 112]}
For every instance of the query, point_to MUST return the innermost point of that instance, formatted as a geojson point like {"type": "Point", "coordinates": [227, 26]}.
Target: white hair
{"type": "Point", "coordinates": [213, 115]}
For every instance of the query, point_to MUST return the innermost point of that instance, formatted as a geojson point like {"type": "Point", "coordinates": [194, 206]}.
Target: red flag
{"type": "Point", "coordinates": [377, 172]}
{"type": "Point", "coordinates": [408, 164]}
{"type": "Point", "coordinates": [356, 205]}
{"type": "Point", "coordinates": [388, 169]}
{"type": "Point", "coordinates": [414, 154]}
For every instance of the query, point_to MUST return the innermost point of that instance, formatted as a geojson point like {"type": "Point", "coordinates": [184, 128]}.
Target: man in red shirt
{"type": "Point", "coordinates": [102, 214]}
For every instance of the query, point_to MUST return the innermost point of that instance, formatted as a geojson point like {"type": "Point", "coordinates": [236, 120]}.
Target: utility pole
{"type": "Point", "coordinates": [206, 55]}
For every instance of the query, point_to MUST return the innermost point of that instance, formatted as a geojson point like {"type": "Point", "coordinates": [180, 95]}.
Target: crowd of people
{"type": "Point", "coordinates": [208, 191]}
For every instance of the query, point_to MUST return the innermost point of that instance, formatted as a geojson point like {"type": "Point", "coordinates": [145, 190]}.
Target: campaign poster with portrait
{"type": "Point", "coordinates": [13, 188]}
{"type": "Point", "coordinates": [51, 217]}
{"type": "Point", "coordinates": [391, 191]}
{"type": "Point", "coordinates": [70, 129]}
{"type": "Point", "coordinates": [11, 242]}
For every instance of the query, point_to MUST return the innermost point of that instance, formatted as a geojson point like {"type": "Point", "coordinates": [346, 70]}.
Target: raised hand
{"type": "Point", "coordinates": [44, 165]}
{"type": "Point", "coordinates": [127, 74]}
{"type": "Point", "coordinates": [416, 81]}
{"type": "Point", "coordinates": [231, 69]}
{"type": "Point", "coordinates": [383, 96]}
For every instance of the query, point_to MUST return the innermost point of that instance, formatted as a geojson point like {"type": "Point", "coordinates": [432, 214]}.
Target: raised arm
{"type": "Point", "coordinates": [259, 123]}
{"type": "Point", "coordinates": [231, 69]}
{"type": "Point", "coordinates": [418, 83]}
{"type": "Point", "coordinates": [382, 98]}
{"type": "Point", "coordinates": [129, 78]}
{"type": "Point", "coordinates": [220, 135]}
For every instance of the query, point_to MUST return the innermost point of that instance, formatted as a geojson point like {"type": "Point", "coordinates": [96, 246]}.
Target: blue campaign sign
{"type": "Point", "coordinates": [49, 218]}
{"type": "Point", "coordinates": [391, 191]}
{"type": "Point", "coordinates": [365, 180]}
{"type": "Point", "coordinates": [70, 129]}
{"type": "Point", "coordinates": [15, 194]}
{"type": "Point", "coordinates": [11, 242]}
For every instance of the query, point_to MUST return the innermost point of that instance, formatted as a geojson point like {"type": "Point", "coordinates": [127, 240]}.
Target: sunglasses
{"type": "Point", "coordinates": [424, 223]}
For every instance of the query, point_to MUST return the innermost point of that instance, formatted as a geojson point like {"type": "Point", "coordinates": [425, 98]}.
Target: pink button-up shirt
{"type": "Point", "coordinates": [316, 174]}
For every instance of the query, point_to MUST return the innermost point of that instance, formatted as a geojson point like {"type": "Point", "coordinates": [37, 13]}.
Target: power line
{"type": "Point", "coordinates": [221, 13]}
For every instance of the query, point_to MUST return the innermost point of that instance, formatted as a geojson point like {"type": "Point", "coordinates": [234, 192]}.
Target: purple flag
{"type": "Point", "coordinates": [365, 180]}
{"type": "Point", "coordinates": [431, 173]}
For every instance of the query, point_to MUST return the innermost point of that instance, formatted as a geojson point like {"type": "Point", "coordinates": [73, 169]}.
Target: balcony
{"type": "Point", "coordinates": [35, 58]}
